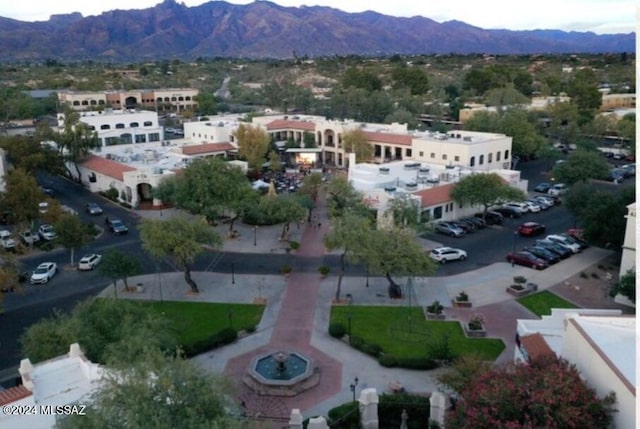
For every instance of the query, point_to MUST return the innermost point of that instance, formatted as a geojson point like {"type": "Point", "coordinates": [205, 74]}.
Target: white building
{"type": "Point", "coordinates": [67, 379]}
{"type": "Point", "coordinates": [628, 261]}
{"type": "Point", "coordinates": [166, 99]}
{"type": "Point", "coordinates": [600, 343]}
{"type": "Point", "coordinates": [116, 127]}
{"type": "Point", "coordinates": [430, 183]}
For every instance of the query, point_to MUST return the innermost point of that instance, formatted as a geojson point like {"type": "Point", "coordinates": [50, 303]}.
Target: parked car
{"type": "Point", "coordinates": [466, 226]}
{"type": "Point", "coordinates": [6, 240]}
{"type": "Point", "coordinates": [529, 229]}
{"type": "Point", "coordinates": [89, 262]}
{"type": "Point", "coordinates": [527, 259]}
{"type": "Point", "coordinates": [93, 209]}
{"type": "Point", "coordinates": [446, 254]}
{"type": "Point", "coordinates": [558, 189]}
{"type": "Point", "coordinates": [532, 206]}
{"type": "Point", "coordinates": [46, 232]}
{"type": "Point", "coordinates": [43, 207]}
{"type": "Point", "coordinates": [29, 238]}
{"type": "Point", "coordinates": [491, 217]}
{"type": "Point", "coordinates": [566, 242]}
{"type": "Point", "coordinates": [43, 273]}
{"type": "Point", "coordinates": [542, 187]}
{"type": "Point", "coordinates": [629, 170]}
{"type": "Point", "coordinates": [449, 229]}
{"type": "Point", "coordinates": [116, 226]}
{"type": "Point", "coordinates": [477, 221]}
{"type": "Point", "coordinates": [508, 212]}
{"type": "Point", "coordinates": [580, 242]}
{"type": "Point", "coordinates": [544, 202]}
{"type": "Point", "coordinates": [47, 191]}
{"type": "Point", "coordinates": [516, 205]}
{"type": "Point", "coordinates": [543, 253]}
{"type": "Point", "coordinates": [556, 248]}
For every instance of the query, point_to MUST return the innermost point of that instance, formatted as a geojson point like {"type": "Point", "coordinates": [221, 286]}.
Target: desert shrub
{"type": "Point", "coordinates": [388, 361]}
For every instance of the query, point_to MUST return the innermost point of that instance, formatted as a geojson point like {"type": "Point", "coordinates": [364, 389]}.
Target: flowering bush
{"type": "Point", "coordinates": [546, 393]}
{"type": "Point", "coordinates": [477, 322]}
{"type": "Point", "coordinates": [462, 296]}
{"type": "Point", "coordinates": [435, 308]}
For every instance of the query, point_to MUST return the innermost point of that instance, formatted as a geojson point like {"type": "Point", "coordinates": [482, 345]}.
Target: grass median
{"type": "Point", "coordinates": [405, 333]}
{"type": "Point", "coordinates": [541, 303]}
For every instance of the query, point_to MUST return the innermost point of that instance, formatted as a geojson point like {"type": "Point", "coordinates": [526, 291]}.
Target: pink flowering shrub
{"type": "Point", "coordinates": [547, 393]}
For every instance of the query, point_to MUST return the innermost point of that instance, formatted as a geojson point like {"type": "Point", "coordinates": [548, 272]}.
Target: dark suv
{"type": "Point", "coordinates": [491, 217]}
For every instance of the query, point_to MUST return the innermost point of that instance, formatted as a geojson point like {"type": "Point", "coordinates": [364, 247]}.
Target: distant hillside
{"type": "Point", "coordinates": [266, 30]}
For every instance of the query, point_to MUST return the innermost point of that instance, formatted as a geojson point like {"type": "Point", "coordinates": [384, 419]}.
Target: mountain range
{"type": "Point", "coordinates": [266, 30]}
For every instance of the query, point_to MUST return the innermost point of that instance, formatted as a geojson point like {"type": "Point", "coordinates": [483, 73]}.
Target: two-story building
{"type": "Point", "coordinates": [166, 99]}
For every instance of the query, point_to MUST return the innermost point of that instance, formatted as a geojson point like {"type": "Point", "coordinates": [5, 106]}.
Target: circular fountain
{"type": "Point", "coordinates": [281, 374]}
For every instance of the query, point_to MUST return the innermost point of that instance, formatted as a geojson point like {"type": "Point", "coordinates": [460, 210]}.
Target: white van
{"type": "Point", "coordinates": [6, 241]}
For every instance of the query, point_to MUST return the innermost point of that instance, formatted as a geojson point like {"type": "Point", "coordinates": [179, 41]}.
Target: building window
{"type": "Point", "coordinates": [119, 126]}
{"type": "Point", "coordinates": [498, 153]}
{"type": "Point", "coordinates": [506, 154]}
{"type": "Point", "coordinates": [105, 127]}
{"type": "Point", "coordinates": [134, 125]}
{"type": "Point", "coordinates": [408, 152]}
{"type": "Point", "coordinates": [148, 123]}
{"type": "Point", "coordinates": [76, 103]}
{"type": "Point", "coordinates": [456, 158]}
{"type": "Point", "coordinates": [110, 141]}
{"type": "Point", "coordinates": [93, 102]}
{"type": "Point", "coordinates": [437, 212]}
{"type": "Point", "coordinates": [444, 156]}
{"type": "Point", "coordinates": [141, 138]}
{"type": "Point", "coordinates": [101, 102]}
{"type": "Point", "coordinates": [433, 155]}
{"type": "Point", "coordinates": [472, 161]}
{"type": "Point", "coordinates": [85, 103]}
{"type": "Point", "coordinates": [188, 98]}
{"type": "Point", "coordinates": [174, 99]}
{"type": "Point", "coordinates": [481, 160]}
{"type": "Point", "coordinates": [154, 137]}
{"type": "Point", "coordinates": [490, 158]}
{"type": "Point", "coordinates": [421, 154]}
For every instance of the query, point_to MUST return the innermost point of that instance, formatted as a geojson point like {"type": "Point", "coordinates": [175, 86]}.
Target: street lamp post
{"type": "Point", "coordinates": [353, 386]}
{"type": "Point", "coordinates": [349, 327]}
{"type": "Point", "coordinates": [513, 253]}
{"type": "Point", "coordinates": [233, 275]}
{"type": "Point", "coordinates": [367, 285]}
{"type": "Point", "coordinates": [255, 235]}
{"type": "Point", "coordinates": [230, 316]}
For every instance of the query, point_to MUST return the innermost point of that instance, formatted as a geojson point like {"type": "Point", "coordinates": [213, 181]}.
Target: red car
{"type": "Point", "coordinates": [527, 259]}
{"type": "Point", "coordinates": [529, 229]}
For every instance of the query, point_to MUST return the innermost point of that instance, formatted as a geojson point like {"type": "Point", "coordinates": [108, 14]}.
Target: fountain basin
{"type": "Point", "coordinates": [281, 374]}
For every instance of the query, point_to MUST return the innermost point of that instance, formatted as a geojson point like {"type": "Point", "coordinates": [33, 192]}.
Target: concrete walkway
{"type": "Point", "coordinates": [297, 314]}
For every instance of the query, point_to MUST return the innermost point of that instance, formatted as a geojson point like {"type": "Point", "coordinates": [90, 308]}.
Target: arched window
{"type": "Point", "coordinates": [85, 103]}
{"type": "Point", "coordinates": [166, 99]}
{"type": "Point", "coordinates": [481, 160]}
{"type": "Point", "coordinates": [119, 126]}
{"type": "Point", "coordinates": [134, 125]}
{"type": "Point", "coordinates": [490, 158]}
{"type": "Point", "coordinates": [76, 103]}
{"type": "Point", "coordinates": [188, 98]}
{"type": "Point", "coordinates": [506, 154]}
{"type": "Point", "coordinates": [180, 98]}
{"type": "Point", "coordinates": [159, 99]}
{"type": "Point", "coordinates": [173, 98]}
{"type": "Point", "coordinates": [105, 127]}
{"type": "Point", "coordinates": [93, 102]}
{"type": "Point", "coordinates": [472, 161]}
{"type": "Point", "coordinates": [498, 153]}
{"type": "Point", "coordinates": [147, 123]}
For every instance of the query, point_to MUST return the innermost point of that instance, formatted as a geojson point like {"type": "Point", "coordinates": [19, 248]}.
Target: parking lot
{"type": "Point", "coordinates": [491, 244]}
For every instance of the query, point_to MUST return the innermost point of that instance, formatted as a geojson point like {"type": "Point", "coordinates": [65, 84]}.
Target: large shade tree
{"type": "Point", "coordinates": [21, 196]}
{"type": "Point", "coordinates": [355, 141]}
{"type": "Point", "coordinates": [581, 166]}
{"type": "Point", "coordinates": [180, 239]}
{"type": "Point", "coordinates": [158, 392]}
{"type": "Point", "coordinates": [71, 233]}
{"type": "Point", "coordinates": [484, 189]}
{"type": "Point", "coordinates": [210, 187]}
{"type": "Point", "coordinates": [117, 265]}
{"type": "Point", "coordinates": [253, 144]}
{"type": "Point", "coordinates": [75, 141]}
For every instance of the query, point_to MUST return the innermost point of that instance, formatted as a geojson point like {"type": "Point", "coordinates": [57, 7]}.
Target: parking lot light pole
{"type": "Point", "coordinates": [255, 235]}
{"type": "Point", "coordinates": [233, 276]}
{"type": "Point", "coordinates": [352, 387]}
{"type": "Point", "coordinates": [513, 253]}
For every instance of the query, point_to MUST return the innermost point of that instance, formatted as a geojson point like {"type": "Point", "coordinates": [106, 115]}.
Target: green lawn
{"type": "Point", "coordinates": [195, 321]}
{"type": "Point", "coordinates": [541, 303]}
{"type": "Point", "coordinates": [404, 331]}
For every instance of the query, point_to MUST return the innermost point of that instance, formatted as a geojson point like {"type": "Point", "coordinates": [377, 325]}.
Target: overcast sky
{"type": "Point", "coordinates": [599, 16]}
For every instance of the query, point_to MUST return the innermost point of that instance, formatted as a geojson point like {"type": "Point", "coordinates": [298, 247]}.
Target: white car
{"type": "Point", "coordinates": [89, 262]}
{"type": "Point", "coordinates": [446, 254]}
{"type": "Point", "coordinates": [521, 207]}
{"type": "Point", "coordinates": [46, 232]}
{"type": "Point", "coordinates": [565, 242]}
{"type": "Point", "coordinates": [43, 273]}
{"type": "Point", "coordinates": [7, 242]}
{"type": "Point", "coordinates": [558, 189]}
{"type": "Point", "coordinates": [533, 206]}
{"type": "Point", "coordinates": [43, 207]}
{"type": "Point", "coordinates": [29, 237]}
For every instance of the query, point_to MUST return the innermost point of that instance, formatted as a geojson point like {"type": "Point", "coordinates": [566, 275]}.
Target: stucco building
{"type": "Point", "coordinates": [600, 343]}
{"type": "Point", "coordinates": [167, 99]}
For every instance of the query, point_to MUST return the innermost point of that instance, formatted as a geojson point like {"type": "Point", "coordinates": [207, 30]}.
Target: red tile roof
{"type": "Point", "coordinates": [402, 139]}
{"type": "Point", "coordinates": [436, 195]}
{"type": "Point", "coordinates": [280, 124]}
{"type": "Point", "coordinates": [535, 345]}
{"type": "Point", "coordinates": [13, 394]}
{"type": "Point", "coordinates": [106, 166]}
{"type": "Point", "coordinates": [199, 149]}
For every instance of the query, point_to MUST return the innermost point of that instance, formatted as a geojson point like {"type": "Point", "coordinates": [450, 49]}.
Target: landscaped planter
{"type": "Point", "coordinates": [518, 290]}
{"type": "Point", "coordinates": [435, 316]}
{"type": "Point", "coordinates": [475, 333]}
{"type": "Point", "coordinates": [462, 304]}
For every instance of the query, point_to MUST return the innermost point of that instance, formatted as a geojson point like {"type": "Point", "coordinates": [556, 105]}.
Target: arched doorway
{"type": "Point", "coordinates": [145, 199]}
{"type": "Point", "coordinates": [130, 102]}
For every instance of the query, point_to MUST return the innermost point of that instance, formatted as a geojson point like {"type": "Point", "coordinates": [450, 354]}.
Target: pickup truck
{"type": "Point", "coordinates": [6, 241]}
{"type": "Point", "coordinates": [29, 237]}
